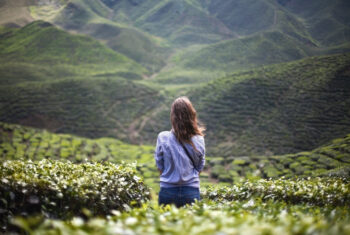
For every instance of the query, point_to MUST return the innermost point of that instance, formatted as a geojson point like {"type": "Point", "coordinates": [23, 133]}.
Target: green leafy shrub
{"type": "Point", "coordinates": [316, 191]}
{"type": "Point", "coordinates": [62, 189]}
{"type": "Point", "coordinates": [205, 217]}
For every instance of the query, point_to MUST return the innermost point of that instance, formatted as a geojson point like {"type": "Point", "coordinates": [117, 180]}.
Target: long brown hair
{"type": "Point", "coordinates": [184, 121]}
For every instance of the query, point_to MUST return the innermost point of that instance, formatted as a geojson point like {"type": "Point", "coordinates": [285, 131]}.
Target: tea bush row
{"type": "Point", "coordinates": [317, 191]}
{"type": "Point", "coordinates": [205, 217]}
{"type": "Point", "coordinates": [330, 159]}
{"type": "Point", "coordinates": [58, 189]}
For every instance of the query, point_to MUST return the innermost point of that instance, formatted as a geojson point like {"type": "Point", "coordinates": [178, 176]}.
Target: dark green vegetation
{"type": "Point", "coordinates": [41, 43]}
{"type": "Point", "coordinates": [147, 31]}
{"type": "Point", "coordinates": [85, 106]}
{"type": "Point", "coordinates": [331, 159]}
{"type": "Point", "coordinates": [88, 107]}
{"type": "Point", "coordinates": [18, 142]}
{"type": "Point", "coordinates": [328, 22]}
{"type": "Point", "coordinates": [62, 190]}
{"type": "Point", "coordinates": [279, 109]}
{"type": "Point", "coordinates": [314, 191]}
{"type": "Point", "coordinates": [181, 22]}
{"type": "Point", "coordinates": [173, 40]}
{"type": "Point", "coordinates": [74, 84]}
{"type": "Point", "coordinates": [119, 81]}
{"type": "Point", "coordinates": [272, 110]}
{"type": "Point", "coordinates": [266, 211]}
{"type": "Point", "coordinates": [253, 51]}
{"type": "Point", "coordinates": [92, 18]}
{"type": "Point", "coordinates": [59, 190]}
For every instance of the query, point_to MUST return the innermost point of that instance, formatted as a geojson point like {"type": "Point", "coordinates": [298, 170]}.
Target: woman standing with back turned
{"type": "Point", "coordinates": [180, 156]}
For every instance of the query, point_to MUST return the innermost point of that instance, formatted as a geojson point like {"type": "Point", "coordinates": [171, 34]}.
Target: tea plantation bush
{"type": "Point", "coordinates": [22, 142]}
{"type": "Point", "coordinates": [304, 206]}
{"type": "Point", "coordinates": [58, 189]}
{"type": "Point", "coordinates": [316, 191]}
{"type": "Point", "coordinates": [205, 217]}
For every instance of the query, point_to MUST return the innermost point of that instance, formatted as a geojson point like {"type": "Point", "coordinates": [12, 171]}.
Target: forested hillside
{"type": "Point", "coordinates": [284, 108]}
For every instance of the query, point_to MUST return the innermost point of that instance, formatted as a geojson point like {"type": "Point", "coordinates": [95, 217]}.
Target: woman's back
{"type": "Point", "coordinates": [173, 160]}
{"type": "Point", "coordinates": [180, 155]}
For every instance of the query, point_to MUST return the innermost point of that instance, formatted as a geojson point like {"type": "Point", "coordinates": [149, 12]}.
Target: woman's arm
{"type": "Point", "coordinates": [158, 156]}
{"type": "Point", "coordinates": [201, 149]}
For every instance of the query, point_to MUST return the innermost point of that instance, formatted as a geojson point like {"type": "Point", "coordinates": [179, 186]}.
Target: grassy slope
{"type": "Point", "coordinates": [278, 35]}
{"type": "Point", "coordinates": [242, 16]}
{"type": "Point", "coordinates": [42, 43]}
{"type": "Point", "coordinates": [284, 29]}
{"type": "Point", "coordinates": [257, 50]}
{"type": "Point", "coordinates": [179, 21]}
{"type": "Point", "coordinates": [283, 108]}
{"type": "Point", "coordinates": [86, 106]}
{"type": "Point", "coordinates": [93, 18]}
{"type": "Point", "coordinates": [328, 22]}
{"type": "Point", "coordinates": [72, 84]}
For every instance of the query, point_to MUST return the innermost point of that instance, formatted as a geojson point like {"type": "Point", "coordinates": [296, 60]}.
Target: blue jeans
{"type": "Point", "coordinates": [179, 196]}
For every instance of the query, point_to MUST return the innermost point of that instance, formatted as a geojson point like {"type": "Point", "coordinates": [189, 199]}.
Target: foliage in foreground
{"type": "Point", "coordinates": [314, 191]}
{"type": "Point", "coordinates": [61, 189]}
{"type": "Point", "coordinates": [205, 217]}
{"type": "Point", "coordinates": [261, 207]}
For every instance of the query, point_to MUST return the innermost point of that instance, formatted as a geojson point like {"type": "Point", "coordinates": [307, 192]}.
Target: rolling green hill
{"type": "Point", "coordinates": [277, 109]}
{"type": "Point", "coordinates": [93, 18]}
{"type": "Point", "coordinates": [42, 43]}
{"type": "Point", "coordinates": [283, 108]}
{"type": "Point", "coordinates": [46, 72]}
{"type": "Point", "coordinates": [328, 22]}
{"type": "Point", "coordinates": [70, 83]}
{"type": "Point", "coordinates": [242, 16]}
{"type": "Point", "coordinates": [161, 35]}
{"type": "Point", "coordinates": [262, 49]}
{"type": "Point", "coordinates": [90, 18]}
{"type": "Point", "coordinates": [181, 22]}
{"type": "Point", "coordinates": [86, 106]}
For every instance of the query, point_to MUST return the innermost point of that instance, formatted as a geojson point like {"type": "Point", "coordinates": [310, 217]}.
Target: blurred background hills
{"type": "Point", "coordinates": [268, 77]}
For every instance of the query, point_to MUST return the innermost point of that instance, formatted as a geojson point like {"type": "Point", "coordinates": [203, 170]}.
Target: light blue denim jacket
{"type": "Point", "coordinates": [177, 169]}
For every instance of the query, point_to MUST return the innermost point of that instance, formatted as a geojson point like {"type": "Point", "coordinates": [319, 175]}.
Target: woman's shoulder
{"type": "Point", "coordinates": [164, 135]}
{"type": "Point", "coordinates": [198, 138]}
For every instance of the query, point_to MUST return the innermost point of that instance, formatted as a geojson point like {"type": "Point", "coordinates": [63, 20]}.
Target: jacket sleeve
{"type": "Point", "coordinates": [158, 155]}
{"type": "Point", "coordinates": [200, 155]}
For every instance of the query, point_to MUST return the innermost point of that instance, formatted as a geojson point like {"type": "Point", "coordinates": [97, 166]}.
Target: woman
{"type": "Point", "coordinates": [180, 156]}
